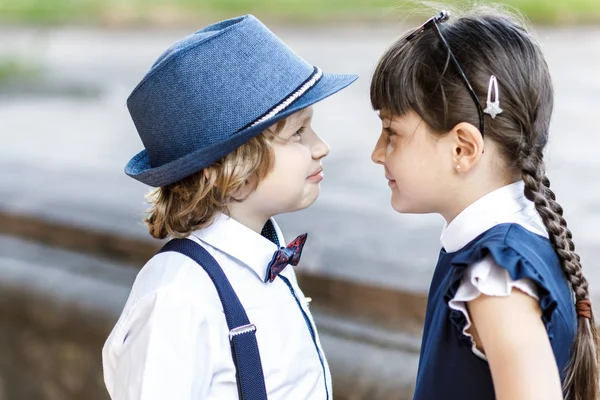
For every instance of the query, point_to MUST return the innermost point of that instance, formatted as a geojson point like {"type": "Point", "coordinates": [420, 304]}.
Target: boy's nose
{"type": "Point", "coordinates": [320, 149]}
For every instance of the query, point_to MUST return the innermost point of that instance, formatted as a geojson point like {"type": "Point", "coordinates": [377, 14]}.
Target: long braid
{"type": "Point", "coordinates": [557, 208]}
{"type": "Point", "coordinates": [581, 382]}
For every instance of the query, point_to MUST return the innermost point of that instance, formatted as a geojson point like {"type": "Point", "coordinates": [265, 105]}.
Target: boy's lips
{"type": "Point", "coordinates": [317, 176]}
{"type": "Point", "coordinates": [317, 172]}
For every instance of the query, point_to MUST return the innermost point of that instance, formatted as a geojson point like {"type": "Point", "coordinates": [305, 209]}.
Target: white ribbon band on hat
{"type": "Point", "coordinates": [285, 103]}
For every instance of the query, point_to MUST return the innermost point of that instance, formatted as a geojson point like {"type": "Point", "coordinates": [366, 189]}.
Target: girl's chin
{"type": "Point", "coordinates": [402, 205]}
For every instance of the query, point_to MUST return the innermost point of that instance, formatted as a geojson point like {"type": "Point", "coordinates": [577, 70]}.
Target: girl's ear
{"type": "Point", "coordinates": [467, 146]}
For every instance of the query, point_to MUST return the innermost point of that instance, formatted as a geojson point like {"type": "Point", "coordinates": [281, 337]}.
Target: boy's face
{"type": "Point", "coordinates": [294, 182]}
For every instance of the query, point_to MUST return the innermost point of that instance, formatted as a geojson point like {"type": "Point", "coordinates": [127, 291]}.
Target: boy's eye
{"type": "Point", "coordinates": [389, 132]}
{"type": "Point", "coordinates": [298, 133]}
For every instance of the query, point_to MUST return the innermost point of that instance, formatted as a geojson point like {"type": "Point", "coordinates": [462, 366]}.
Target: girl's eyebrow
{"type": "Point", "coordinates": [384, 120]}
{"type": "Point", "coordinates": [389, 128]}
{"type": "Point", "coordinates": [401, 126]}
{"type": "Point", "coordinates": [387, 124]}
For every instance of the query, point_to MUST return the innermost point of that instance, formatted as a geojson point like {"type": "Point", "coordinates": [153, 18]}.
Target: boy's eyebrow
{"type": "Point", "coordinates": [308, 115]}
{"type": "Point", "coordinates": [302, 120]}
{"type": "Point", "coordinates": [298, 121]}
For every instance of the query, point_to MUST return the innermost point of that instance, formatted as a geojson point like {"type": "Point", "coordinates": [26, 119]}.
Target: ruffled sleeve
{"type": "Point", "coordinates": [485, 277]}
{"type": "Point", "coordinates": [493, 269]}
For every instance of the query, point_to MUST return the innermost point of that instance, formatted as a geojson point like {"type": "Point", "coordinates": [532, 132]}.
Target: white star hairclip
{"type": "Point", "coordinates": [493, 107]}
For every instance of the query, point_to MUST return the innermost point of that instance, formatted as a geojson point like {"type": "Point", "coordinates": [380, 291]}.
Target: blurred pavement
{"type": "Point", "coordinates": [66, 138]}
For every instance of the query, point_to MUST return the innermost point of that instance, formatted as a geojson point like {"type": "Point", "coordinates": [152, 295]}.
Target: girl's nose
{"type": "Point", "coordinates": [378, 155]}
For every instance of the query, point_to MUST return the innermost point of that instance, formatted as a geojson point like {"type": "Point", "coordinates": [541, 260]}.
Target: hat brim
{"type": "Point", "coordinates": [139, 166]}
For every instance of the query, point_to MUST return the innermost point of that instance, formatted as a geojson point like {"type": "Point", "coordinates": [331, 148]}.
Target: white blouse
{"type": "Point", "coordinates": [507, 204]}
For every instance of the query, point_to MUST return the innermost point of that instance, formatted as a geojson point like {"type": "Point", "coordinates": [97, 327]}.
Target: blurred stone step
{"type": "Point", "coordinates": [398, 309]}
{"type": "Point", "coordinates": [57, 307]}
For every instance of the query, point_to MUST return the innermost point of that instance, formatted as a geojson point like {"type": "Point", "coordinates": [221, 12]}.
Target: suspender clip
{"type": "Point", "coordinates": [240, 330]}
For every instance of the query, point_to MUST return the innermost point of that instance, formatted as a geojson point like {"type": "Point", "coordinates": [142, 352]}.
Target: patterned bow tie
{"type": "Point", "coordinates": [284, 256]}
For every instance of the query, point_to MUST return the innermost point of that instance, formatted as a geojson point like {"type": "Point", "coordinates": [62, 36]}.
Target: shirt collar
{"type": "Point", "coordinates": [240, 242]}
{"type": "Point", "coordinates": [492, 209]}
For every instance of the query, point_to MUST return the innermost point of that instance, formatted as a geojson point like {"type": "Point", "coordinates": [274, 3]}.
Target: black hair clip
{"type": "Point", "coordinates": [433, 22]}
{"type": "Point", "coordinates": [443, 16]}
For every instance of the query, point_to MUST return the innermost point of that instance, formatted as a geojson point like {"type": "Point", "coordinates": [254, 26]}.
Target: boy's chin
{"type": "Point", "coordinates": [307, 201]}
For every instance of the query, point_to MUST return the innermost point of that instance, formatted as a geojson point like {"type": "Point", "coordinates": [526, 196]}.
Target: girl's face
{"type": "Point", "coordinates": [417, 163]}
{"type": "Point", "coordinates": [294, 182]}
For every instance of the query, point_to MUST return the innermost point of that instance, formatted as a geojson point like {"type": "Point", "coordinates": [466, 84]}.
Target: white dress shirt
{"type": "Point", "coordinates": [172, 340]}
{"type": "Point", "coordinates": [507, 204]}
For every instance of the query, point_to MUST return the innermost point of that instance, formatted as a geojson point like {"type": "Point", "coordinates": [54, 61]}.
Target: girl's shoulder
{"type": "Point", "coordinates": [525, 256]}
{"type": "Point", "coordinates": [507, 242]}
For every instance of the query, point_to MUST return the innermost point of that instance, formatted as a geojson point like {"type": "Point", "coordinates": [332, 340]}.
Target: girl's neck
{"type": "Point", "coordinates": [468, 194]}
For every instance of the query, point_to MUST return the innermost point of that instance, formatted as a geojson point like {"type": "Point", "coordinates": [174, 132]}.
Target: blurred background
{"type": "Point", "coordinates": [71, 236]}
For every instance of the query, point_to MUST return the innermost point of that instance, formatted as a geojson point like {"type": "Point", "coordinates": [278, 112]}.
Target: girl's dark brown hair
{"type": "Point", "coordinates": [417, 75]}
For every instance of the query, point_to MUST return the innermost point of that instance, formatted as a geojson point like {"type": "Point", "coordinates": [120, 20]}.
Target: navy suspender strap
{"type": "Point", "coordinates": [242, 334]}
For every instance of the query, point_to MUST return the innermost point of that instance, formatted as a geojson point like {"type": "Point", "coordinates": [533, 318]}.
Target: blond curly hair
{"type": "Point", "coordinates": [192, 203]}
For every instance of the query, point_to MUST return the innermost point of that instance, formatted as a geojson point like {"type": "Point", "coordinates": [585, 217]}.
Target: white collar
{"type": "Point", "coordinates": [490, 210]}
{"type": "Point", "coordinates": [240, 242]}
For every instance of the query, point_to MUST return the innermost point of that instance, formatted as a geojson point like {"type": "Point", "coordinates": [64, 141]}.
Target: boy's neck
{"type": "Point", "coordinates": [249, 218]}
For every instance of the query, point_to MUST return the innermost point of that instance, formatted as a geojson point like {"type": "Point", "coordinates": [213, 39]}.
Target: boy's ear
{"type": "Point", "coordinates": [467, 146]}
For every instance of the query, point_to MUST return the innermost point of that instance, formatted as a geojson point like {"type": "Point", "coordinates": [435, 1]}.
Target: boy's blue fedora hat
{"type": "Point", "coordinates": [212, 92]}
